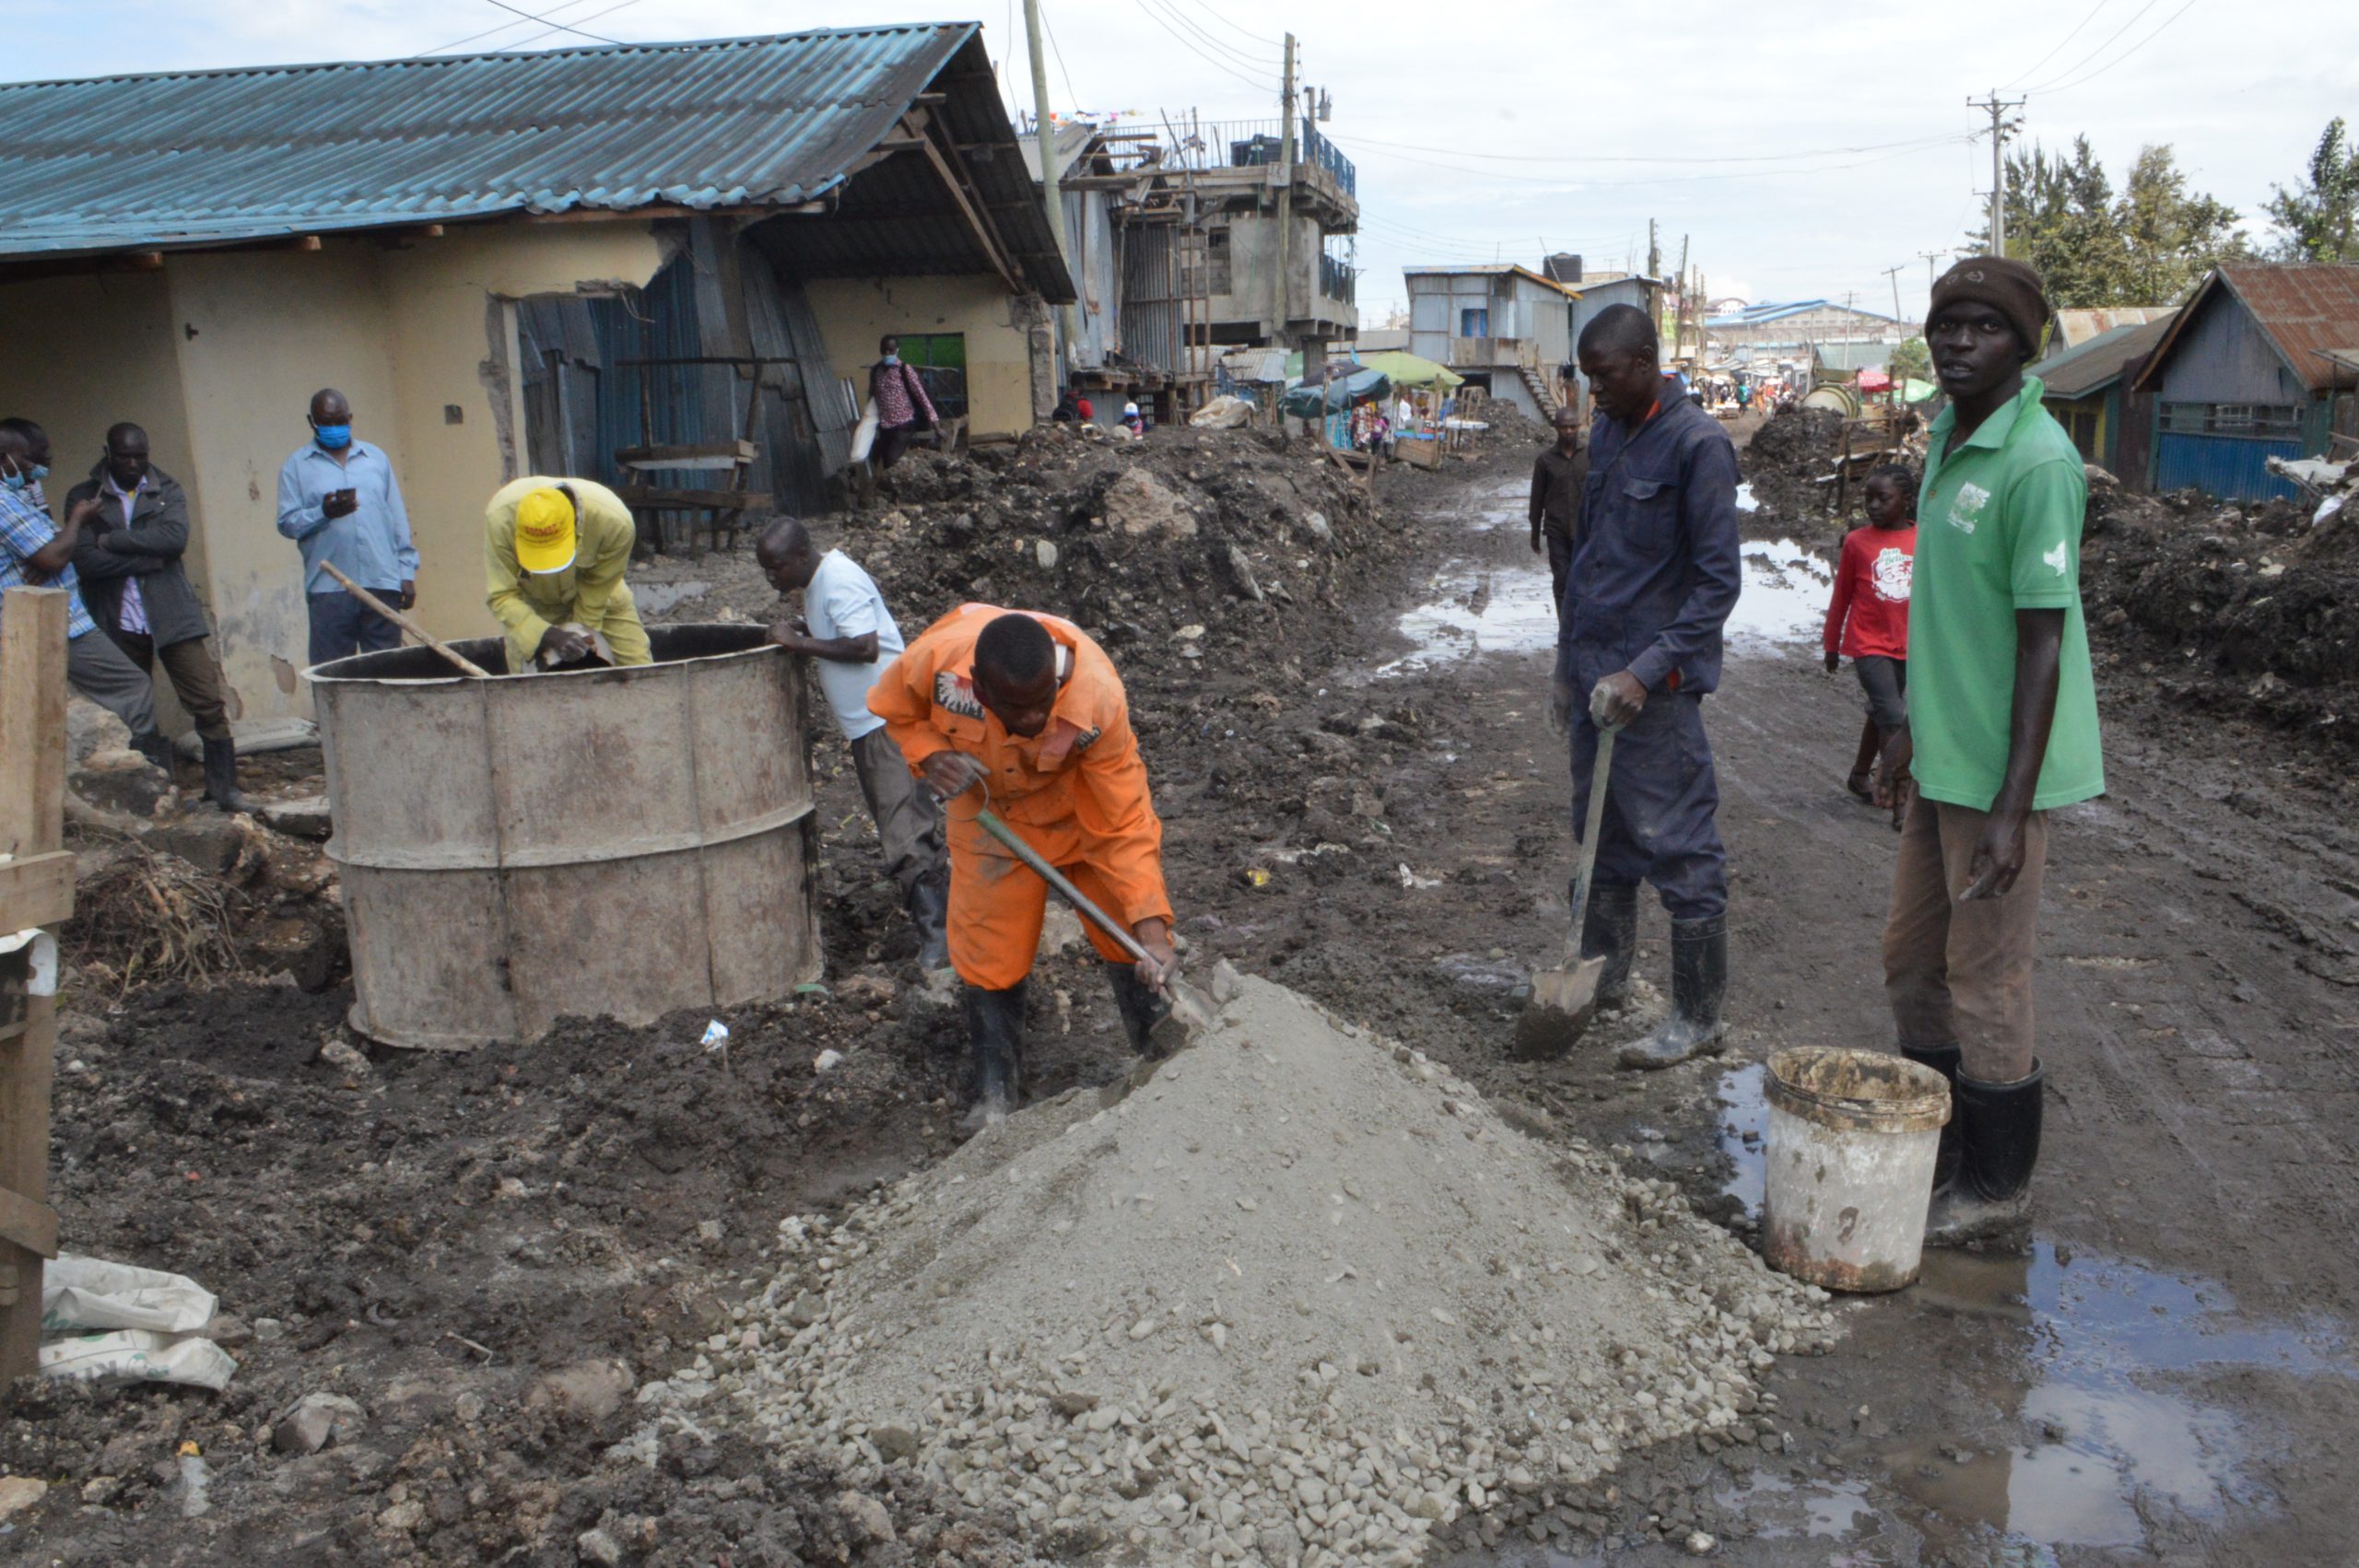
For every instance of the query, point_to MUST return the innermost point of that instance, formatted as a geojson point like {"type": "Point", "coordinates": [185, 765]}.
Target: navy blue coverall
{"type": "Point", "coordinates": [1657, 571]}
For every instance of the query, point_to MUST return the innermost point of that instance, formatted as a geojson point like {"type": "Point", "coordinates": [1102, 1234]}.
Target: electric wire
{"type": "Point", "coordinates": [1055, 49]}
{"type": "Point", "coordinates": [558, 26]}
{"type": "Point", "coordinates": [1265, 83]}
{"type": "Point", "coordinates": [504, 27]}
{"type": "Point", "coordinates": [552, 32]}
{"type": "Point", "coordinates": [1544, 157]}
{"type": "Point", "coordinates": [1562, 181]}
{"type": "Point", "coordinates": [1172, 11]}
{"type": "Point", "coordinates": [2060, 42]}
{"type": "Point", "coordinates": [2111, 38]}
{"type": "Point", "coordinates": [2126, 54]}
{"type": "Point", "coordinates": [1240, 32]}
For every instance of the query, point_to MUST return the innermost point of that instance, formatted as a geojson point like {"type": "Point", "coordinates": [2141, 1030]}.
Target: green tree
{"type": "Point", "coordinates": [1912, 360]}
{"type": "Point", "coordinates": [2147, 245]}
{"type": "Point", "coordinates": [2316, 220]}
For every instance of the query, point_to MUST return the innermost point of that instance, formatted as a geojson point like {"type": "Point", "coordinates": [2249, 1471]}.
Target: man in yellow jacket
{"type": "Point", "coordinates": [556, 550]}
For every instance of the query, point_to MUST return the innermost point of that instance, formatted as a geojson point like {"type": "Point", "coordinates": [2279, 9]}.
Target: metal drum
{"type": "Point", "coordinates": [614, 842]}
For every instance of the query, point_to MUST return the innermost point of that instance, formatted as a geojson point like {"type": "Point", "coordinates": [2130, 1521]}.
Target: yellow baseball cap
{"type": "Point", "coordinates": [545, 532]}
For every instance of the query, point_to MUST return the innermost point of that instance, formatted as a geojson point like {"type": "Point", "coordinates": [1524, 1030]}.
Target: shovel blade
{"type": "Point", "coordinates": [1563, 1001]}
{"type": "Point", "coordinates": [1192, 1014]}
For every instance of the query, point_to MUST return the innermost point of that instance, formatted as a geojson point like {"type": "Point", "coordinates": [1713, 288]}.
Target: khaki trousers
{"type": "Point", "coordinates": [1961, 972]}
{"type": "Point", "coordinates": [907, 817]}
{"type": "Point", "coordinates": [195, 677]}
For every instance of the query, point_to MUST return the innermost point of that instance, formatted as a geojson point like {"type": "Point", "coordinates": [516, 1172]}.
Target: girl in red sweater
{"type": "Point", "coordinates": [1868, 618]}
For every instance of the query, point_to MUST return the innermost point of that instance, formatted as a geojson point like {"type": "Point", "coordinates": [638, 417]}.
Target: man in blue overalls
{"type": "Point", "coordinates": [1657, 571]}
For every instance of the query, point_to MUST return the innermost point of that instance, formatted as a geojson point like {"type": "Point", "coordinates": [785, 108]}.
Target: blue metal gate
{"type": "Point", "coordinates": [2230, 468]}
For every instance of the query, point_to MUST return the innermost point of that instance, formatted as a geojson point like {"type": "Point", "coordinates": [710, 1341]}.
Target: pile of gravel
{"type": "Point", "coordinates": [1297, 1297]}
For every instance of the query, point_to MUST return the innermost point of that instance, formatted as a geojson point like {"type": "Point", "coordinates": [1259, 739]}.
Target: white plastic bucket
{"type": "Point", "coordinates": [1851, 1140]}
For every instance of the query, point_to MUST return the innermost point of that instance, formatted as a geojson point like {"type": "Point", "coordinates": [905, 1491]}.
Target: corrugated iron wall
{"type": "Point", "coordinates": [2228, 468]}
{"type": "Point", "coordinates": [1152, 320]}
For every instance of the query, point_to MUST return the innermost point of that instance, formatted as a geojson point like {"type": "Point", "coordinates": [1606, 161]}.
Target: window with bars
{"type": "Point", "coordinates": [2266, 421]}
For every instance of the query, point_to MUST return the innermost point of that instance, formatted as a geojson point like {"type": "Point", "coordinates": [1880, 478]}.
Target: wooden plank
{"type": "Point", "coordinates": [31, 1225]}
{"type": "Point", "coordinates": [676, 456]}
{"type": "Point", "coordinates": [32, 823]}
{"type": "Point", "coordinates": [37, 890]}
{"type": "Point", "coordinates": [687, 501]}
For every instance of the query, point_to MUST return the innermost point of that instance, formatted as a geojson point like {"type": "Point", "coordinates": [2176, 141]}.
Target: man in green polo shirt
{"type": "Point", "coordinates": [2002, 729]}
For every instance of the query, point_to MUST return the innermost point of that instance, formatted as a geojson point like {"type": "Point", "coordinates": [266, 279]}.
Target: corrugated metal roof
{"type": "Point", "coordinates": [2079, 325]}
{"type": "Point", "coordinates": [2303, 309]}
{"type": "Point", "coordinates": [2098, 362]}
{"type": "Point", "coordinates": [221, 157]}
{"type": "Point", "coordinates": [1853, 356]}
{"type": "Point", "coordinates": [1494, 269]}
{"type": "Point", "coordinates": [1073, 135]}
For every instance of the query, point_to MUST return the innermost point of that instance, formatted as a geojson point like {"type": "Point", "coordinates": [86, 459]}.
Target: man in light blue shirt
{"type": "Point", "coordinates": [338, 501]}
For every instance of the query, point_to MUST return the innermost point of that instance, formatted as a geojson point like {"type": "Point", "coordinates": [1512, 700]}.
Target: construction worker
{"type": "Point", "coordinates": [1656, 573]}
{"type": "Point", "coordinates": [846, 626]}
{"type": "Point", "coordinates": [2001, 728]}
{"type": "Point", "coordinates": [556, 550]}
{"type": "Point", "coordinates": [1022, 713]}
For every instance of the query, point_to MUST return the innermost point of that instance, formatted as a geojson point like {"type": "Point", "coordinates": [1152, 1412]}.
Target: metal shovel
{"type": "Point", "coordinates": [1191, 1010]}
{"type": "Point", "coordinates": [1562, 998]}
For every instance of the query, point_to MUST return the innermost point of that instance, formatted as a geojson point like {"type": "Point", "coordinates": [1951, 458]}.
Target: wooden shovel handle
{"type": "Point", "coordinates": [400, 618]}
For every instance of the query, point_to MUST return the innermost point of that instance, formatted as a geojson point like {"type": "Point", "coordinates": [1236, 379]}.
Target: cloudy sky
{"type": "Point", "coordinates": [1800, 150]}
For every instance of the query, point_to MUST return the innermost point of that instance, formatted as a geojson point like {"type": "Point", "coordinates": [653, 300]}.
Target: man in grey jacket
{"type": "Point", "coordinates": [135, 587]}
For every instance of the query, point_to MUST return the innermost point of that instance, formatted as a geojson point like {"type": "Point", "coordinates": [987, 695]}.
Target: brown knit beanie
{"type": "Point", "coordinates": [2009, 288]}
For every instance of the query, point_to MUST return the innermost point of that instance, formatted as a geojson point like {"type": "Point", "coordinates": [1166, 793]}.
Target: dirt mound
{"type": "Point", "coordinates": [1785, 455]}
{"type": "Point", "coordinates": [2249, 610]}
{"type": "Point", "coordinates": [1300, 1296]}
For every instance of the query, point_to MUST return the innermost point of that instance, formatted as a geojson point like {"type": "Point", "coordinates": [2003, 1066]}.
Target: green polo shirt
{"type": "Point", "coordinates": [1999, 530]}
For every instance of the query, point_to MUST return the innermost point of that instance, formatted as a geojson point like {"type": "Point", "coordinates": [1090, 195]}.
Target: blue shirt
{"type": "Point", "coordinates": [25, 531]}
{"type": "Point", "coordinates": [1659, 565]}
{"type": "Point", "coordinates": [371, 546]}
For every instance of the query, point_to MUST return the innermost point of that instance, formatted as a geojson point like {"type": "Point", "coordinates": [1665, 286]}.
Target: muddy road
{"type": "Point", "coordinates": [1363, 803]}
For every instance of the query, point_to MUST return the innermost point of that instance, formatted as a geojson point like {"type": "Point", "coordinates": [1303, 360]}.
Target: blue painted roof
{"type": "Point", "coordinates": [157, 162]}
{"type": "Point", "coordinates": [1755, 315]}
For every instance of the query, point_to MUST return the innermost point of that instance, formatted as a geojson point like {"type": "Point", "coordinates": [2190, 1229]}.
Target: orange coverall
{"type": "Point", "coordinates": [1077, 793]}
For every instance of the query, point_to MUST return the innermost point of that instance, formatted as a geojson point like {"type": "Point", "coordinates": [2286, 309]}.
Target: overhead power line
{"type": "Point", "coordinates": [1643, 158]}
{"type": "Point", "coordinates": [1558, 181]}
{"type": "Point", "coordinates": [552, 32]}
{"type": "Point", "coordinates": [504, 27]}
{"type": "Point", "coordinates": [1264, 84]}
{"type": "Point", "coordinates": [2060, 42]}
{"type": "Point", "coordinates": [560, 27]}
{"type": "Point", "coordinates": [1240, 32]}
{"type": "Point", "coordinates": [2126, 54]}
{"type": "Point", "coordinates": [2100, 49]}
{"type": "Point", "coordinates": [1172, 10]}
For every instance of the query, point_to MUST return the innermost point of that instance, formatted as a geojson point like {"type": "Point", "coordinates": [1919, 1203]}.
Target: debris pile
{"type": "Point", "coordinates": [2248, 610]}
{"type": "Point", "coordinates": [1299, 1297]}
{"type": "Point", "coordinates": [1787, 456]}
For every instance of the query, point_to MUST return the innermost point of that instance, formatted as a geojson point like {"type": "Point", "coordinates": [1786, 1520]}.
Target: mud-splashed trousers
{"type": "Point", "coordinates": [1660, 804]}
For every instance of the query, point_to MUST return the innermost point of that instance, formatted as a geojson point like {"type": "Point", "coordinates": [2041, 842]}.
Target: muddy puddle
{"type": "Point", "coordinates": [2097, 1366]}
{"type": "Point", "coordinates": [1482, 604]}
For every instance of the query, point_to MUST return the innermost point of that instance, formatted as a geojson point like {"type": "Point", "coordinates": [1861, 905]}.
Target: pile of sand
{"type": "Point", "coordinates": [1297, 1297]}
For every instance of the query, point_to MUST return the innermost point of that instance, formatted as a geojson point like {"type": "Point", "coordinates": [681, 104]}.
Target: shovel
{"type": "Point", "coordinates": [1564, 998]}
{"type": "Point", "coordinates": [1191, 1010]}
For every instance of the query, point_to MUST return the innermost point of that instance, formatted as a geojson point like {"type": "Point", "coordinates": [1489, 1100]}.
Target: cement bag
{"type": "Point", "coordinates": [137, 1355]}
{"type": "Point", "coordinates": [85, 1293]}
{"type": "Point", "coordinates": [1223, 413]}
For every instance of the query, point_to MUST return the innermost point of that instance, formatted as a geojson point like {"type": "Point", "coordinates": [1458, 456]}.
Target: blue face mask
{"type": "Point", "coordinates": [14, 481]}
{"type": "Point", "coordinates": [39, 473]}
{"type": "Point", "coordinates": [334, 437]}
{"type": "Point", "coordinates": [892, 359]}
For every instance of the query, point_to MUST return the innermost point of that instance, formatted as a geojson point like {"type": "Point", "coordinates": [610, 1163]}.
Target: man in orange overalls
{"type": "Point", "coordinates": [1021, 712]}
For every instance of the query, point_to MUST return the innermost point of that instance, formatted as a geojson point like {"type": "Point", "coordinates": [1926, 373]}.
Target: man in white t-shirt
{"type": "Point", "coordinates": [847, 628]}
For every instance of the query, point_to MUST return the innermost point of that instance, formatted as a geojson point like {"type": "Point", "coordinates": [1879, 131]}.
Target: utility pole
{"type": "Point", "coordinates": [1997, 107]}
{"type": "Point", "coordinates": [1044, 132]}
{"type": "Point", "coordinates": [1893, 273]}
{"type": "Point", "coordinates": [1283, 311]}
{"type": "Point", "coordinates": [1679, 318]}
{"type": "Point", "coordinates": [1931, 257]}
{"type": "Point", "coordinates": [1654, 252]}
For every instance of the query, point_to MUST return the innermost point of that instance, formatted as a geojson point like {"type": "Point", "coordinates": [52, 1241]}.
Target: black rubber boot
{"type": "Point", "coordinates": [1610, 930]}
{"type": "Point", "coordinates": [1944, 1059]}
{"type": "Point", "coordinates": [1141, 1009]}
{"type": "Point", "coordinates": [928, 903]}
{"type": "Point", "coordinates": [995, 1042]}
{"type": "Point", "coordinates": [156, 749]}
{"type": "Point", "coordinates": [221, 776]}
{"type": "Point", "coordinates": [1998, 1147]}
{"type": "Point", "coordinates": [1699, 978]}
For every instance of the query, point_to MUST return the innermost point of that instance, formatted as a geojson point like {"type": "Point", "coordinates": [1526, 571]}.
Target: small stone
{"type": "Point", "coordinates": [866, 1518]}
{"type": "Point", "coordinates": [826, 1061]}
{"type": "Point", "coordinates": [598, 1547]}
{"type": "Point", "coordinates": [20, 1492]}
{"type": "Point", "coordinates": [1046, 553]}
{"type": "Point", "coordinates": [344, 1056]}
{"type": "Point", "coordinates": [894, 1442]}
{"type": "Point", "coordinates": [269, 1328]}
{"type": "Point", "coordinates": [316, 1420]}
{"type": "Point", "coordinates": [1699, 1544]}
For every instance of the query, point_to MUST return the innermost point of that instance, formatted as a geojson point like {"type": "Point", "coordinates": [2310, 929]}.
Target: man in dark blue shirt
{"type": "Point", "coordinates": [1638, 645]}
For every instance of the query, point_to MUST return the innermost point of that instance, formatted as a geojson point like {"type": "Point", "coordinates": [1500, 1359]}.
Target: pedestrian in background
{"type": "Point", "coordinates": [1867, 619]}
{"type": "Point", "coordinates": [1558, 474]}
{"type": "Point", "coordinates": [340, 503]}
{"type": "Point", "coordinates": [135, 588]}
{"type": "Point", "coordinates": [901, 403]}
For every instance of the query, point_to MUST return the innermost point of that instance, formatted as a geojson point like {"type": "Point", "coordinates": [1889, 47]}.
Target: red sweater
{"type": "Point", "coordinates": [1868, 617]}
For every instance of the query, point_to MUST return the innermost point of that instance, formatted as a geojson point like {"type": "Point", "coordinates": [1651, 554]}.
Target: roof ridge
{"type": "Point", "coordinates": [479, 56]}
